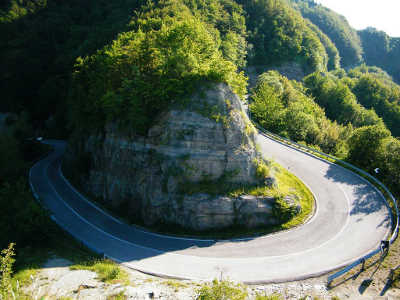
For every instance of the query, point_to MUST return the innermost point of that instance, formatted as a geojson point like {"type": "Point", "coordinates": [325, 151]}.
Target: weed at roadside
{"type": "Point", "coordinates": [107, 270]}
{"type": "Point", "coordinates": [120, 296]}
{"type": "Point", "coordinates": [217, 290]}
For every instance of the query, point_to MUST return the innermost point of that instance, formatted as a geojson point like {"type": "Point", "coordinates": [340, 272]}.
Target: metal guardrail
{"type": "Point", "coordinates": [353, 168]}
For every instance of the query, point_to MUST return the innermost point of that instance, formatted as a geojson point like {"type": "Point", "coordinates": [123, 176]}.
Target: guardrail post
{"type": "Point", "coordinates": [363, 265]}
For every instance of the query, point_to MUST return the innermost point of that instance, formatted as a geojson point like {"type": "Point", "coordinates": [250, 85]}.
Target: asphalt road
{"type": "Point", "coordinates": [351, 219]}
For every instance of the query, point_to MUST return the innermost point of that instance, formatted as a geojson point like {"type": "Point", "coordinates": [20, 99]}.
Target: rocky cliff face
{"type": "Point", "coordinates": [210, 139]}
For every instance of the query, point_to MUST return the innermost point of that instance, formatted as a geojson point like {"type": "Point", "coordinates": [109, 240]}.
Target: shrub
{"type": "Point", "coordinates": [283, 211]}
{"type": "Point", "coordinates": [262, 170]}
{"type": "Point", "coordinates": [107, 270]}
{"type": "Point", "coordinates": [219, 290]}
{"type": "Point", "coordinates": [269, 297]}
{"type": "Point", "coordinates": [6, 263]}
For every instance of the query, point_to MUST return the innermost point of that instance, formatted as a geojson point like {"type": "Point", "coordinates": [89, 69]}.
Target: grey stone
{"type": "Point", "coordinates": [211, 138]}
{"type": "Point", "coordinates": [293, 201]}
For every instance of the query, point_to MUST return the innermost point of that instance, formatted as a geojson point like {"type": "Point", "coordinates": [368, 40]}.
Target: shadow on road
{"type": "Point", "coordinates": [367, 199]}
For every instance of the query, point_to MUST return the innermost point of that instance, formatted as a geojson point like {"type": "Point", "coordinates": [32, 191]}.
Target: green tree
{"type": "Point", "coordinates": [336, 28]}
{"type": "Point", "coordinates": [381, 50]}
{"type": "Point", "coordinates": [279, 34]}
{"type": "Point", "coordinates": [143, 72]}
{"type": "Point", "coordinates": [373, 93]}
{"type": "Point", "coordinates": [364, 145]}
{"type": "Point", "coordinates": [339, 102]}
{"type": "Point", "coordinates": [388, 157]}
{"type": "Point", "coordinates": [283, 107]}
{"type": "Point", "coordinates": [331, 50]}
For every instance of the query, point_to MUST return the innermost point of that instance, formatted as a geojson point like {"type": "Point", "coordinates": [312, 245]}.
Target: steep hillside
{"type": "Point", "coordinates": [40, 43]}
{"type": "Point", "coordinates": [381, 50]}
{"type": "Point", "coordinates": [331, 50]}
{"type": "Point", "coordinates": [279, 34]}
{"type": "Point", "coordinates": [336, 28]}
{"type": "Point", "coordinates": [379, 93]}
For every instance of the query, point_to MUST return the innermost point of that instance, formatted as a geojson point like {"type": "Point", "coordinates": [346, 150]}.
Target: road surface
{"type": "Point", "coordinates": [351, 219]}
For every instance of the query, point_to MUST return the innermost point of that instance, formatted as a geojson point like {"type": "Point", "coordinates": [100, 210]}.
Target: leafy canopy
{"type": "Point", "coordinates": [145, 71]}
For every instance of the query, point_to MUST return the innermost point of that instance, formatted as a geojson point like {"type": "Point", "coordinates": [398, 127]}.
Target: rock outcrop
{"type": "Point", "coordinates": [209, 139]}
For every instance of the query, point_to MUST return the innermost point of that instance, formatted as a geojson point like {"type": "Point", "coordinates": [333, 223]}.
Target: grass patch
{"type": "Point", "coordinates": [336, 161]}
{"type": "Point", "coordinates": [262, 170]}
{"type": "Point", "coordinates": [218, 290]}
{"type": "Point", "coordinates": [107, 270]}
{"type": "Point", "coordinates": [269, 297]}
{"type": "Point", "coordinates": [396, 279]}
{"type": "Point", "coordinates": [289, 184]}
{"type": "Point", "coordinates": [120, 296]}
{"type": "Point", "coordinates": [175, 285]}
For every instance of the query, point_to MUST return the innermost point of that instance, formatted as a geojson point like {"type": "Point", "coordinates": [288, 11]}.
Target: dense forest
{"type": "Point", "coordinates": [73, 66]}
{"type": "Point", "coordinates": [381, 50]}
{"type": "Point", "coordinates": [336, 28]}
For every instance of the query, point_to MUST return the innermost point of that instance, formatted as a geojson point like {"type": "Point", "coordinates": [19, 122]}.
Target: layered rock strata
{"type": "Point", "coordinates": [209, 139]}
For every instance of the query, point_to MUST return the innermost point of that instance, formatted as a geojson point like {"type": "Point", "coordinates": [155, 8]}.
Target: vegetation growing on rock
{"type": "Point", "coordinates": [146, 70]}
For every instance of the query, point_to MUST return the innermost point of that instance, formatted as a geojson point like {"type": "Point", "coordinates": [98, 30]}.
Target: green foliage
{"type": "Point", "coordinates": [145, 71]}
{"type": "Point", "coordinates": [331, 50]}
{"type": "Point", "coordinates": [381, 50]}
{"type": "Point", "coordinates": [269, 297]}
{"type": "Point", "coordinates": [283, 107]}
{"type": "Point", "coordinates": [219, 290]}
{"type": "Point", "coordinates": [107, 270]}
{"type": "Point", "coordinates": [283, 211]}
{"type": "Point", "coordinates": [262, 170]}
{"type": "Point", "coordinates": [22, 220]}
{"type": "Point", "coordinates": [336, 28]}
{"type": "Point", "coordinates": [119, 296]}
{"type": "Point", "coordinates": [41, 40]}
{"type": "Point", "coordinates": [278, 34]}
{"type": "Point", "coordinates": [339, 102]}
{"type": "Point", "coordinates": [388, 160]}
{"type": "Point", "coordinates": [228, 18]}
{"type": "Point", "coordinates": [290, 185]}
{"type": "Point", "coordinates": [384, 98]}
{"type": "Point", "coordinates": [6, 264]}
{"type": "Point", "coordinates": [365, 143]}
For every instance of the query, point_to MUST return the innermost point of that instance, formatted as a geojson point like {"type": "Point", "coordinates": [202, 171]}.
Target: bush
{"type": "Point", "coordinates": [219, 290]}
{"type": "Point", "coordinates": [282, 211]}
{"type": "Point", "coordinates": [262, 170]}
{"type": "Point", "coordinates": [282, 106]}
{"type": "Point", "coordinates": [6, 263]}
{"type": "Point", "coordinates": [107, 270]}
